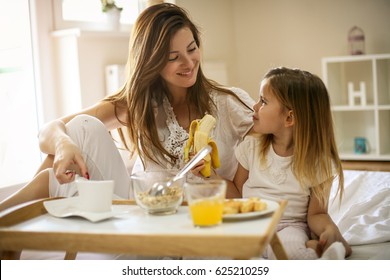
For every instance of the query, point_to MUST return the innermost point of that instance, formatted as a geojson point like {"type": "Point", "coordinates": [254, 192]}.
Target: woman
{"type": "Point", "coordinates": [165, 90]}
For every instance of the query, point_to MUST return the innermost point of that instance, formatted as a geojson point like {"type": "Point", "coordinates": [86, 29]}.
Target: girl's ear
{"type": "Point", "coordinates": [290, 120]}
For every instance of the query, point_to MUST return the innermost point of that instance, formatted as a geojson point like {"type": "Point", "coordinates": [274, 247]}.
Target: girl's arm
{"type": "Point", "coordinates": [53, 140]}
{"type": "Point", "coordinates": [235, 188]}
{"type": "Point", "coordinates": [322, 225]}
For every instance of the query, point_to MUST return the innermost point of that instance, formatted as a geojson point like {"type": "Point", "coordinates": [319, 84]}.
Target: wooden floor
{"type": "Point", "coordinates": [366, 165]}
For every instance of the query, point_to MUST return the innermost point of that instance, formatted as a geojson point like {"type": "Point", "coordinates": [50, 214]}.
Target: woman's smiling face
{"type": "Point", "coordinates": [182, 67]}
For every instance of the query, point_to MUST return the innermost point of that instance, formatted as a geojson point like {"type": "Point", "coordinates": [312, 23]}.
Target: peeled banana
{"type": "Point", "coordinates": [200, 137]}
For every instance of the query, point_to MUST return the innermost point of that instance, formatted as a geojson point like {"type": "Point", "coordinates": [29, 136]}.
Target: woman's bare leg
{"type": "Point", "coordinates": [37, 188]}
{"type": "Point", "coordinates": [47, 163]}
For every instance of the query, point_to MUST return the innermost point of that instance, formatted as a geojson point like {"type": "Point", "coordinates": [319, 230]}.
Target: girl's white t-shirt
{"type": "Point", "coordinates": [274, 180]}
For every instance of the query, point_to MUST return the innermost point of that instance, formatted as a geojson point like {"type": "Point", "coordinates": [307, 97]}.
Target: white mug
{"type": "Point", "coordinates": [95, 196]}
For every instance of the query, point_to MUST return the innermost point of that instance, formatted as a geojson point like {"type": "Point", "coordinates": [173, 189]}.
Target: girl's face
{"type": "Point", "coordinates": [184, 56]}
{"type": "Point", "coordinates": [269, 116]}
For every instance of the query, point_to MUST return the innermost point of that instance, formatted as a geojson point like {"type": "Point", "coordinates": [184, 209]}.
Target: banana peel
{"type": "Point", "coordinates": [199, 137]}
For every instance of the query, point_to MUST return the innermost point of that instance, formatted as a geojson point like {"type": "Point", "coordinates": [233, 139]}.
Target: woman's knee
{"type": "Point", "coordinates": [85, 122]}
{"type": "Point", "coordinates": [85, 129]}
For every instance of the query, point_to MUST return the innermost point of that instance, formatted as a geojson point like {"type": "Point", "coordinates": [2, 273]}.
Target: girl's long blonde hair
{"type": "Point", "coordinates": [148, 54]}
{"type": "Point", "coordinates": [315, 156]}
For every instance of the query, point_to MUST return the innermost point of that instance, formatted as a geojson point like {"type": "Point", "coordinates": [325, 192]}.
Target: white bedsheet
{"type": "Point", "coordinates": [364, 214]}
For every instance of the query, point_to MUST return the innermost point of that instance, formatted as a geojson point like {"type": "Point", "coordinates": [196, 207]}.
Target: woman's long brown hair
{"type": "Point", "coordinates": [148, 54]}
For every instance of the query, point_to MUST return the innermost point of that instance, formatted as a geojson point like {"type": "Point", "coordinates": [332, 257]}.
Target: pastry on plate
{"type": "Point", "coordinates": [252, 204]}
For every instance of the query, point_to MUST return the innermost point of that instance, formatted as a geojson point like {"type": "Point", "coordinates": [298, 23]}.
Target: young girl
{"type": "Point", "coordinates": [294, 157]}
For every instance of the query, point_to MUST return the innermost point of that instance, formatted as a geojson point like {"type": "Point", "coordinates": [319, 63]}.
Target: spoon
{"type": "Point", "coordinates": [158, 188]}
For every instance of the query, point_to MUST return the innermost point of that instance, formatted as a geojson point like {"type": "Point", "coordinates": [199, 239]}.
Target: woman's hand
{"type": "Point", "coordinates": [68, 162]}
{"type": "Point", "coordinates": [198, 167]}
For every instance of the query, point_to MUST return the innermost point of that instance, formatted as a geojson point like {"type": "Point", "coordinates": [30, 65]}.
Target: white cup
{"type": "Point", "coordinates": [95, 196]}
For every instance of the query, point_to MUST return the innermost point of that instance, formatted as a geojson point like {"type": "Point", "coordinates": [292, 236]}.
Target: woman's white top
{"type": "Point", "coordinates": [233, 121]}
{"type": "Point", "coordinates": [273, 180]}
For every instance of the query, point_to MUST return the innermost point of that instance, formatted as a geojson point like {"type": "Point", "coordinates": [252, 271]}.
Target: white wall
{"type": "Point", "coordinates": [252, 36]}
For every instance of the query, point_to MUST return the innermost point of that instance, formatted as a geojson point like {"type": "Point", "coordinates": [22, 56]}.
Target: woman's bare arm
{"type": "Point", "coordinates": [54, 131]}
{"type": "Point", "coordinates": [53, 140]}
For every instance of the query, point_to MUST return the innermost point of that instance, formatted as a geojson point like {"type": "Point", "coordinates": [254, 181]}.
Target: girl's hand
{"type": "Point", "coordinates": [329, 236]}
{"type": "Point", "coordinates": [68, 161]}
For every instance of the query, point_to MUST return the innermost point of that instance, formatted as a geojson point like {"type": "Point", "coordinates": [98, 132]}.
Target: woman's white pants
{"type": "Point", "coordinates": [101, 155]}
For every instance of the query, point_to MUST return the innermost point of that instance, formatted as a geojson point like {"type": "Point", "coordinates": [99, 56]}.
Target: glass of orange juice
{"type": "Point", "coordinates": [205, 200]}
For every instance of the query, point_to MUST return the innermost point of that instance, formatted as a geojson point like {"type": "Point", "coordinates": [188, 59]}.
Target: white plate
{"type": "Point", "coordinates": [67, 207]}
{"type": "Point", "coordinates": [271, 207]}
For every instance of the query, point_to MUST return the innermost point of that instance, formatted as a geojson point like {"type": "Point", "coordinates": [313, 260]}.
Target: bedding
{"type": "Point", "coordinates": [363, 216]}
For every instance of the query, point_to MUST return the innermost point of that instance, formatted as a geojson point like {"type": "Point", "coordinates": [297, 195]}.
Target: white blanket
{"type": "Point", "coordinates": [364, 214]}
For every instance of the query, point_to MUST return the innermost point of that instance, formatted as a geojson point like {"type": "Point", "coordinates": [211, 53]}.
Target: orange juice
{"type": "Point", "coordinates": [206, 212]}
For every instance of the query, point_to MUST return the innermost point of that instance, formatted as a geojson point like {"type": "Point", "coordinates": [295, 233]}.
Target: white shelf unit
{"type": "Point", "coordinates": [81, 59]}
{"type": "Point", "coordinates": [370, 120]}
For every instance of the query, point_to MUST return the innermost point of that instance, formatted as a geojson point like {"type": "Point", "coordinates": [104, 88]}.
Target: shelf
{"type": "Point", "coordinates": [352, 58]}
{"type": "Point", "coordinates": [78, 32]}
{"type": "Point", "coordinates": [353, 108]}
{"type": "Point", "coordinates": [370, 165]}
{"type": "Point", "coordinates": [383, 77]}
{"type": "Point", "coordinates": [359, 89]}
{"type": "Point", "coordinates": [364, 157]}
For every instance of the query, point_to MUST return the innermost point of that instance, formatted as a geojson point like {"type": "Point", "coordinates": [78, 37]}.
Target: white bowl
{"type": "Point", "coordinates": [163, 204]}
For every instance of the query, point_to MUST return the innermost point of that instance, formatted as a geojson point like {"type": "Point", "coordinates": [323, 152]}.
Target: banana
{"type": "Point", "coordinates": [199, 138]}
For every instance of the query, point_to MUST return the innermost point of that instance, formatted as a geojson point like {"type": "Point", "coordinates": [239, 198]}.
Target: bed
{"type": "Point", "coordinates": [364, 214]}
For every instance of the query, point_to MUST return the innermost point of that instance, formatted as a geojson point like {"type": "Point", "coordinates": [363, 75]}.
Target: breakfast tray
{"type": "Point", "coordinates": [29, 226]}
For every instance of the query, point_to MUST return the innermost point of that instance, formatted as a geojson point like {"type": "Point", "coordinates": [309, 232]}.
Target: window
{"type": "Point", "coordinates": [19, 152]}
{"type": "Point", "coordinates": [87, 14]}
